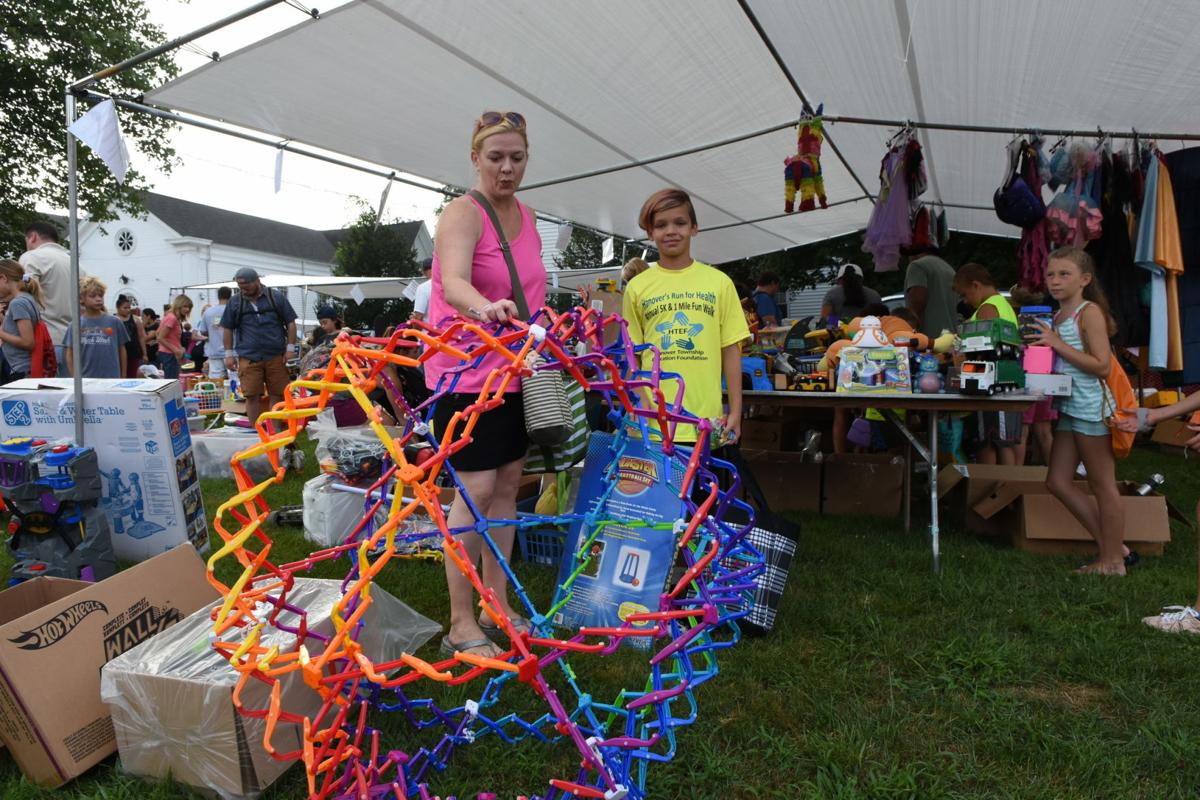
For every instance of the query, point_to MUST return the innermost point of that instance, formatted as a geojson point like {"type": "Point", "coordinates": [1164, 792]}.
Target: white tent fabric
{"type": "Point", "coordinates": [398, 83]}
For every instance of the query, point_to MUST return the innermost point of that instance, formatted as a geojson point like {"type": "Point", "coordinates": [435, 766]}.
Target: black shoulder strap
{"type": "Point", "coordinates": [518, 292]}
{"type": "Point", "coordinates": [241, 309]}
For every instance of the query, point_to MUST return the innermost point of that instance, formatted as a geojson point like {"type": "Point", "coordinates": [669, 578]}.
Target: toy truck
{"type": "Point", "coordinates": [990, 377]}
{"type": "Point", "coordinates": [997, 337]}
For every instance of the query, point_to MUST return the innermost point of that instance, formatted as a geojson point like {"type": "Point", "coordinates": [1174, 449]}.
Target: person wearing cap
{"type": "Point", "coordinates": [769, 315]}
{"type": "Point", "coordinates": [259, 327]}
{"type": "Point", "coordinates": [329, 325]}
{"type": "Point", "coordinates": [424, 291]}
{"type": "Point", "coordinates": [849, 298]}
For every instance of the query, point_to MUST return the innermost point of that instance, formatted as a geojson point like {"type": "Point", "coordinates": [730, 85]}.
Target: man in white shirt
{"type": "Point", "coordinates": [210, 327]}
{"type": "Point", "coordinates": [50, 263]}
{"type": "Point", "coordinates": [424, 290]}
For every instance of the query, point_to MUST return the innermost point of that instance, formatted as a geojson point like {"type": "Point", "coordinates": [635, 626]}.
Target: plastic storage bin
{"type": "Point", "coordinates": [543, 546]}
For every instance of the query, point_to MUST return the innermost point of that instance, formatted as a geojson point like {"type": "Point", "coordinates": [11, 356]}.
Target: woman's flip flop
{"type": "Point", "coordinates": [497, 634]}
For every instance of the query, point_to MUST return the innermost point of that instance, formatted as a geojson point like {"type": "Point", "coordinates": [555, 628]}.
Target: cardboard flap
{"type": "Point", "coordinates": [1002, 496]}
{"type": "Point", "coordinates": [949, 477]}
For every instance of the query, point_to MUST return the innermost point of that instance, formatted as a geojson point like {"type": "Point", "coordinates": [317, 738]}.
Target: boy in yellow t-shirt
{"type": "Point", "coordinates": [690, 312]}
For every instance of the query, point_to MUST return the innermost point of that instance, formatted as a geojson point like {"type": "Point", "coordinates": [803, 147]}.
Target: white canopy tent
{"type": "Point", "coordinates": [603, 87]}
{"type": "Point", "coordinates": [624, 97]}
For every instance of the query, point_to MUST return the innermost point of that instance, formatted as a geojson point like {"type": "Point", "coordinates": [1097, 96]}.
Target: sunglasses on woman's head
{"type": "Point", "coordinates": [489, 118]}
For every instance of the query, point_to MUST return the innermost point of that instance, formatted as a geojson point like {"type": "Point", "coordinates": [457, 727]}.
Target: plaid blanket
{"type": "Point", "coordinates": [777, 552]}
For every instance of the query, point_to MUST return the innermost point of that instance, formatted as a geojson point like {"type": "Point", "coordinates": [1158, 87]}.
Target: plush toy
{"type": "Point", "coordinates": [944, 343]}
{"type": "Point", "coordinates": [803, 171]}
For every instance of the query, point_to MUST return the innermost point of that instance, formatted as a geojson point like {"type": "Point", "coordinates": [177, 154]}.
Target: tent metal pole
{"type": "Point", "coordinates": [781, 216]}
{"type": "Point", "coordinates": [154, 52]}
{"type": "Point", "coordinates": [291, 148]}
{"type": "Point", "coordinates": [1009, 129]}
{"type": "Point", "coordinates": [73, 237]}
{"type": "Point", "coordinates": [257, 139]}
{"type": "Point", "coordinates": [787, 73]}
{"type": "Point", "coordinates": [667, 157]}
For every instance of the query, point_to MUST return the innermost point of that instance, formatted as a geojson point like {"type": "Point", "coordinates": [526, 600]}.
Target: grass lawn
{"type": "Point", "coordinates": [1004, 677]}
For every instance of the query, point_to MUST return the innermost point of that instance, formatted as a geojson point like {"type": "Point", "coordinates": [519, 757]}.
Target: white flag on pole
{"type": "Point", "coordinates": [608, 251]}
{"type": "Point", "coordinates": [383, 200]}
{"type": "Point", "coordinates": [564, 237]}
{"type": "Point", "coordinates": [100, 130]}
{"type": "Point", "coordinates": [278, 169]}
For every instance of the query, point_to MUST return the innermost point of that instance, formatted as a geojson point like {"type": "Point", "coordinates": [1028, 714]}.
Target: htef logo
{"type": "Point", "coordinates": [57, 627]}
{"type": "Point", "coordinates": [16, 413]}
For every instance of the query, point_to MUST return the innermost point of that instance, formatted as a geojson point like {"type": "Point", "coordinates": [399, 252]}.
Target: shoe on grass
{"type": "Point", "coordinates": [1175, 619]}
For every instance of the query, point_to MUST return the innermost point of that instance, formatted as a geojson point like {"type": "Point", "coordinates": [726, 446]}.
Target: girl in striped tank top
{"type": "Point", "coordinates": [1080, 342]}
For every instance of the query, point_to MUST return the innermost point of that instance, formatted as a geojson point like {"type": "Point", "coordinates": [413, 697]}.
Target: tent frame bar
{"type": "Point", "coordinates": [291, 147]}
{"type": "Point", "coordinates": [166, 47]}
{"type": "Point", "coordinates": [1011, 129]}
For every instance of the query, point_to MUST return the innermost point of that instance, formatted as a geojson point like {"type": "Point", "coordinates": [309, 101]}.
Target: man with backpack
{"type": "Point", "coordinates": [259, 327]}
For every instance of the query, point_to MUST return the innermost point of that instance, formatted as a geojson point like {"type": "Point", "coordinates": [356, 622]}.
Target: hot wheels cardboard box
{"type": "Point", "coordinates": [56, 634]}
{"type": "Point", "coordinates": [139, 429]}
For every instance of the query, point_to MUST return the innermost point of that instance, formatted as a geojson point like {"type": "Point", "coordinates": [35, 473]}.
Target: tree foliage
{"type": "Point", "coordinates": [371, 250]}
{"type": "Point", "coordinates": [43, 47]}
{"type": "Point", "coordinates": [586, 249]}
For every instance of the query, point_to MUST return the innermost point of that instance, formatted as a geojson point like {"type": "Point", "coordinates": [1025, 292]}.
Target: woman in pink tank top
{"type": "Point", "coordinates": [471, 279]}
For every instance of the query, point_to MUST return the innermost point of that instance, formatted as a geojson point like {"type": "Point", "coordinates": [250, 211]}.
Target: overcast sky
{"type": "Point", "coordinates": [237, 175]}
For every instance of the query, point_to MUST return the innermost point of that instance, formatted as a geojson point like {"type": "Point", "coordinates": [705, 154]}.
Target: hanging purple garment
{"type": "Point", "coordinates": [889, 229]}
{"type": "Point", "coordinates": [1033, 249]}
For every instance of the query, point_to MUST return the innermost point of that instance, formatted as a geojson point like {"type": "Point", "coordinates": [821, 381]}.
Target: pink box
{"type": "Point", "coordinates": [1039, 360]}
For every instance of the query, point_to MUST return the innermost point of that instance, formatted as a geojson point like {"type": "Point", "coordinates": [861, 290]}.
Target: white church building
{"type": "Point", "coordinates": [180, 243]}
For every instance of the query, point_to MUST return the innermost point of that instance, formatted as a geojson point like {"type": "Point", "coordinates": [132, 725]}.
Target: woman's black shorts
{"type": "Point", "coordinates": [499, 436]}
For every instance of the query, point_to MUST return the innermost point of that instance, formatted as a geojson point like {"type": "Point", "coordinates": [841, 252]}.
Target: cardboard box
{"type": "Point", "coordinates": [962, 486]}
{"type": "Point", "coordinates": [1161, 398]}
{"type": "Point", "coordinates": [1042, 524]}
{"type": "Point", "coordinates": [874, 370]}
{"type": "Point", "coordinates": [867, 483]}
{"type": "Point", "coordinates": [172, 698]}
{"type": "Point", "coordinates": [140, 432]}
{"type": "Point", "coordinates": [1014, 502]}
{"type": "Point", "coordinates": [770, 433]}
{"type": "Point", "coordinates": [56, 634]}
{"type": "Point", "coordinates": [607, 303]}
{"type": "Point", "coordinates": [1049, 385]}
{"type": "Point", "coordinates": [788, 481]}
